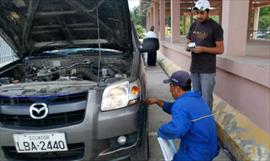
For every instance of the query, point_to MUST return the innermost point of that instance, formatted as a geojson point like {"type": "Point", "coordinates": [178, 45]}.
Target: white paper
{"type": "Point", "coordinates": [168, 148]}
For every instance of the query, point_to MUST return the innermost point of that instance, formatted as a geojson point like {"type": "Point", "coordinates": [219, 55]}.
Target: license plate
{"type": "Point", "coordinates": [47, 142]}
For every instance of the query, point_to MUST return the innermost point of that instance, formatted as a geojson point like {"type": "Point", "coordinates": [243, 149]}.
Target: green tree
{"type": "Point", "coordinates": [135, 15]}
{"type": "Point", "coordinates": [140, 31]}
{"type": "Point", "coordinates": [138, 20]}
{"type": "Point", "coordinates": [264, 20]}
{"type": "Point", "coordinates": [138, 17]}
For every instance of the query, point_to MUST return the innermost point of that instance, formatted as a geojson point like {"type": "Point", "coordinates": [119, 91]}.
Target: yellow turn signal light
{"type": "Point", "coordinates": [135, 90]}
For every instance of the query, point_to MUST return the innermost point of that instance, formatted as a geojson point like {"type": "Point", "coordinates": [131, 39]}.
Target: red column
{"type": "Point", "coordinates": [147, 20]}
{"type": "Point", "coordinates": [175, 21]}
{"type": "Point", "coordinates": [151, 15]}
{"type": "Point", "coordinates": [155, 16]}
{"type": "Point", "coordinates": [162, 19]}
{"type": "Point", "coordinates": [235, 33]}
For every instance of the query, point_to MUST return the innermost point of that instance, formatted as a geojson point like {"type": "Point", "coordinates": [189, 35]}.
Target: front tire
{"type": "Point", "coordinates": [142, 153]}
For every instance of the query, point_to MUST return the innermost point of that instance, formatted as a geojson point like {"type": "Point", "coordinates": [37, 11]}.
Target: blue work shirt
{"type": "Point", "coordinates": [193, 123]}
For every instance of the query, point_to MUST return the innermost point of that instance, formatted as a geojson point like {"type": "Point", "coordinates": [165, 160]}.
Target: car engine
{"type": "Point", "coordinates": [61, 73]}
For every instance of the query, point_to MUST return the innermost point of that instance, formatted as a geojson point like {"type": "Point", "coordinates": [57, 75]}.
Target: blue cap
{"type": "Point", "coordinates": [181, 78]}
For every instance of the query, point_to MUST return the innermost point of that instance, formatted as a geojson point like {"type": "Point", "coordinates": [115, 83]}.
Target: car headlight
{"type": "Point", "coordinates": [120, 95]}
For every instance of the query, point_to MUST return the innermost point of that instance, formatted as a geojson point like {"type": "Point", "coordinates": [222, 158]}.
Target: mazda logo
{"type": "Point", "coordinates": [38, 111]}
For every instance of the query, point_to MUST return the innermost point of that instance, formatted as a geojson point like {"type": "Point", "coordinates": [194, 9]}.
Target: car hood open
{"type": "Point", "coordinates": [38, 25]}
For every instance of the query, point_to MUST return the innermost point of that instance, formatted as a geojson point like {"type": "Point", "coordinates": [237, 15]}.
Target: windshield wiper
{"type": "Point", "coordinates": [81, 50]}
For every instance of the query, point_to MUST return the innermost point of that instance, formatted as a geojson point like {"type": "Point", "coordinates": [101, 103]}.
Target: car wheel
{"type": "Point", "coordinates": [142, 152]}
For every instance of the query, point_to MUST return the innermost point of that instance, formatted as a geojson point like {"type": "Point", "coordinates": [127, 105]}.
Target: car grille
{"type": "Point", "coordinates": [51, 121]}
{"type": "Point", "coordinates": [63, 118]}
{"type": "Point", "coordinates": [75, 151]}
{"type": "Point", "coordinates": [52, 99]}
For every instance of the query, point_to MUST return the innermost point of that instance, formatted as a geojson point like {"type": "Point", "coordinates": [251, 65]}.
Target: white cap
{"type": "Point", "coordinates": [202, 5]}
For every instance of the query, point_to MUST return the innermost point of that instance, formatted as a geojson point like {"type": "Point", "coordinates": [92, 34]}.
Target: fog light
{"type": "Point", "coordinates": [122, 140]}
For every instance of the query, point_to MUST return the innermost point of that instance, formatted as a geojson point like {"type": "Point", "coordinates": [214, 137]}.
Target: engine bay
{"type": "Point", "coordinates": [47, 75]}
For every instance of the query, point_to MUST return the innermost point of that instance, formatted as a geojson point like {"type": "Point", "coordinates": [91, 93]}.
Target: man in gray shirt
{"type": "Point", "coordinates": [205, 41]}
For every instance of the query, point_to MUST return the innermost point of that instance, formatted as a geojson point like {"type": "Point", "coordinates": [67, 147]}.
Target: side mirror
{"type": "Point", "coordinates": [150, 45]}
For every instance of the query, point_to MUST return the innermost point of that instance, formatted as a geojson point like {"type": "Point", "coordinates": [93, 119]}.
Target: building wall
{"type": "Point", "coordinates": [258, 49]}
{"type": "Point", "coordinates": [248, 97]}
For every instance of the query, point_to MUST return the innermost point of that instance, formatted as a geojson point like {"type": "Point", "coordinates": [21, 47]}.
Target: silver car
{"type": "Point", "coordinates": [75, 92]}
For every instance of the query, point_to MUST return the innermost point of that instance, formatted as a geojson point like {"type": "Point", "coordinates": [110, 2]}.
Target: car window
{"type": "Point", "coordinates": [7, 54]}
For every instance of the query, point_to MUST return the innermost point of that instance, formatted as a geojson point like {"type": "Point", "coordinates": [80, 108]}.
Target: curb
{"type": "Point", "coordinates": [244, 140]}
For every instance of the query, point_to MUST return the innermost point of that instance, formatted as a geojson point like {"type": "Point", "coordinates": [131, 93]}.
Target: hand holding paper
{"type": "Point", "coordinates": [168, 148]}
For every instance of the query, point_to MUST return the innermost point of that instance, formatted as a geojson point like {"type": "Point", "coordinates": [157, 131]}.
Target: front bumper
{"type": "Point", "coordinates": [96, 135]}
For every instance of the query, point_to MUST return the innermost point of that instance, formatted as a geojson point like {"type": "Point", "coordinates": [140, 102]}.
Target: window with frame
{"type": "Point", "coordinates": [259, 20]}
